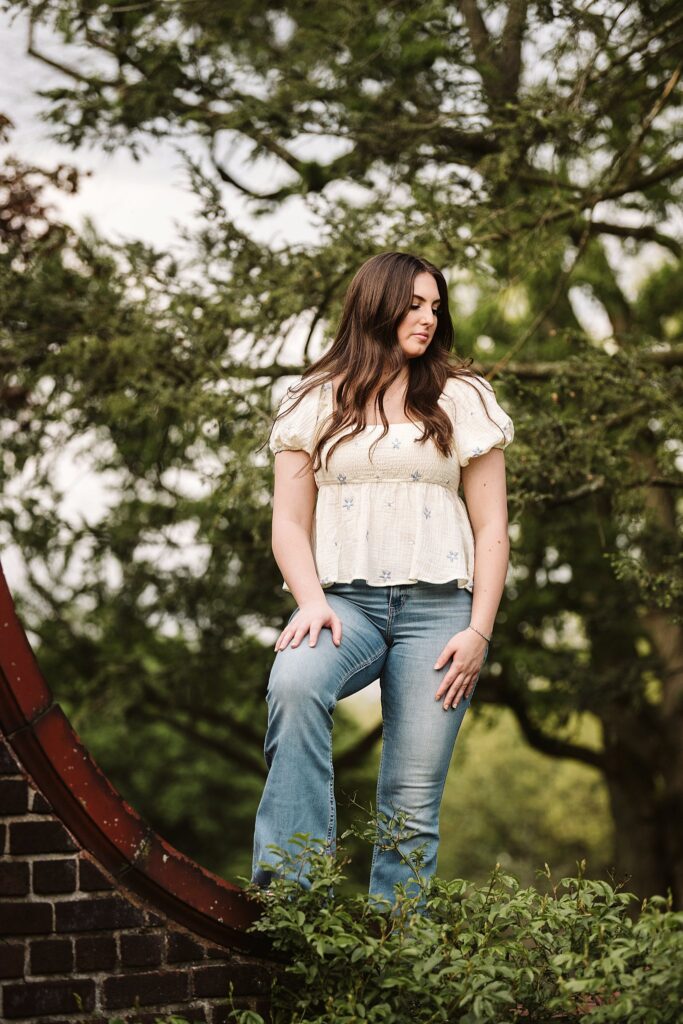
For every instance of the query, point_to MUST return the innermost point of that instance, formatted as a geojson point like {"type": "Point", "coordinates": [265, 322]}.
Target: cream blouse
{"type": "Point", "coordinates": [399, 518]}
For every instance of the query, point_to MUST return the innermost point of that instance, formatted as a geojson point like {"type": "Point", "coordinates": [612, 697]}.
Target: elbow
{"type": "Point", "coordinates": [285, 528]}
{"type": "Point", "coordinates": [495, 529]}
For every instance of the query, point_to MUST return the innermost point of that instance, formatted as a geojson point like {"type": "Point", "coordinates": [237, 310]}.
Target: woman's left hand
{"type": "Point", "coordinates": [468, 652]}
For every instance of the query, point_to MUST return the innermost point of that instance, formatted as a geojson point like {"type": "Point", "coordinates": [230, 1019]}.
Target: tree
{"type": "Point", "coordinates": [533, 150]}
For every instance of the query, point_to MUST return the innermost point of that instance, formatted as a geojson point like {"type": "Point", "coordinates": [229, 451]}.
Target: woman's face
{"type": "Point", "coordinates": [417, 328]}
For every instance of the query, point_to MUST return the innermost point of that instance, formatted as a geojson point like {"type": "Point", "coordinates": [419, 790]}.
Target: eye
{"type": "Point", "coordinates": [417, 306]}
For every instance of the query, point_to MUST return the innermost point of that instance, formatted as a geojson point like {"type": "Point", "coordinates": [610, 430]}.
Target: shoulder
{"type": "Point", "coordinates": [480, 422]}
{"type": "Point", "coordinates": [476, 407]}
{"type": "Point", "coordinates": [463, 389]}
{"type": "Point", "coordinates": [301, 386]}
{"type": "Point", "coordinates": [296, 418]}
{"type": "Point", "coordinates": [301, 401]}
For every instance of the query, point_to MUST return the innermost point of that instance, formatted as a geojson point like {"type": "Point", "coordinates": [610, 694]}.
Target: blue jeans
{"type": "Point", "coordinates": [394, 633]}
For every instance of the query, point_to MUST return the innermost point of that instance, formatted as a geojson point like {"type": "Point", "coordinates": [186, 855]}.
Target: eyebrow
{"type": "Point", "coordinates": [422, 298]}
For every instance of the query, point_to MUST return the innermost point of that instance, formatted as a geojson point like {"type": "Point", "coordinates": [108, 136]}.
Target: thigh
{"type": "Point", "coordinates": [419, 734]}
{"type": "Point", "coordinates": [328, 671]}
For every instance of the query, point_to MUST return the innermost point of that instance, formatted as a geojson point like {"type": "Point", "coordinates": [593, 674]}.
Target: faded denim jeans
{"type": "Point", "coordinates": [394, 633]}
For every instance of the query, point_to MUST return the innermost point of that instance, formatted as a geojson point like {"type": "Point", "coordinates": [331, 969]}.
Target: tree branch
{"type": "Point", "coordinates": [540, 740]}
{"type": "Point", "coordinates": [229, 179]}
{"type": "Point", "coordinates": [78, 76]}
{"type": "Point", "coordinates": [638, 184]}
{"type": "Point", "coordinates": [533, 370]}
{"type": "Point", "coordinates": [599, 483]}
{"type": "Point", "coordinates": [629, 158]}
{"type": "Point", "coordinates": [482, 46]}
{"type": "Point", "coordinates": [646, 232]}
{"type": "Point", "coordinates": [227, 751]}
{"type": "Point", "coordinates": [511, 46]}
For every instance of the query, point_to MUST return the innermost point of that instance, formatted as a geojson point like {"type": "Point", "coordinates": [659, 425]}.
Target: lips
{"type": "Point", "coordinates": [420, 334]}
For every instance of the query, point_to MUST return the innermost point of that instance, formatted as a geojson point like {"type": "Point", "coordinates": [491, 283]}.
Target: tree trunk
{"type": "Point", "coordinates": [640, 801]}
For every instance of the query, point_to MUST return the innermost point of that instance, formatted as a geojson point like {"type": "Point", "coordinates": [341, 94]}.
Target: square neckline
{"type": "Point", "coordinates": [327, 387]}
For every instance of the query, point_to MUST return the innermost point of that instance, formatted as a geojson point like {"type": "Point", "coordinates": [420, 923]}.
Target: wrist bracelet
{"type": "Point", "coordinates": [487, 638]}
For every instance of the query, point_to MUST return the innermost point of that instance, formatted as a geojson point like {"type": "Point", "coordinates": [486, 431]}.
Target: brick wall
{"type": "Point", "coordinates": [100, 917]}
{"type": "Point", "coordinates": [76, 945]}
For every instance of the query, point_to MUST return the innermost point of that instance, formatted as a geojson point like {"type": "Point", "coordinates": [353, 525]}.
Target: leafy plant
{"type": "Point", "coordinates": [453, 951]}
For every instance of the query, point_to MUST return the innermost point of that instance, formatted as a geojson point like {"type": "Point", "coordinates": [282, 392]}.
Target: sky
{"type": "Point", "coordinates": [146, 199]}
{"type": "Point", "coordinates": [126, 199]}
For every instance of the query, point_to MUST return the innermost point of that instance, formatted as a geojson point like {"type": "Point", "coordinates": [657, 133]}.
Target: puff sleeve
{"type": "Point", "coordinates": [295, 430]}
{"type": "Point", "coordinates": [475, 434]}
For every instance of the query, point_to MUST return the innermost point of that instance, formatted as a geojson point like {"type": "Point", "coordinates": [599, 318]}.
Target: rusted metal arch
{"type": "Point", "coordinates": [41, 736]}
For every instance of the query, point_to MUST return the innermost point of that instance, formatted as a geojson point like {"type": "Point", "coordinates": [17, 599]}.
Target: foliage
{"type": "Point", "coordinates": [548, 809]}
{"type": "Point", "coordinates": [453, 951]}
{"type": "Point", "coordinates": [528, 149]}
{"type": "Point", "coordinates": [568, 950]}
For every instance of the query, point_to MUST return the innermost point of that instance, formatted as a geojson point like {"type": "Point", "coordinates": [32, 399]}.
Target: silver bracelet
{"type": "Point", "coordinates": [487, 638]}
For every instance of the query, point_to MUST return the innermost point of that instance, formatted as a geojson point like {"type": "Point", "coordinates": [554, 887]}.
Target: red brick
{"type": "Point", "coordinates": [141, 950]}
{"type": "Point", "coordinates": [51, 956]}
{"type": "Point", "coordinates": [182, 947]}
{"type": "Point", "coordinates": [14, 878]}
{"type": "Point", "coordinates": [8, 762]}
{"type": "Point", "coordinates": [54, 875]}
{"type": "Point", "coordinates": [26, 919]}
{"type": "Point", "coordinates": [95, 953]}
{"type": "Point", "coordinates": [13, 796]}
{"type": "Point", "coordinates": [40, 805]}
{"type": "Point", "coordinates": [37, 999]}
{"type": "Point", "coordinates": [39, 837]}
{"type": "Point", "coordinates": [11, 960]}
{"type": "Point", "coordinates": [155, 988]}
{"type": "Point", "coordinates": [215, 979]}
{"type": "Point", "coordinates": [218, 953]}
{"type": "Point", "coordinates": [98, 914]}
{"type": "Point", "coordinates": [90, 878]}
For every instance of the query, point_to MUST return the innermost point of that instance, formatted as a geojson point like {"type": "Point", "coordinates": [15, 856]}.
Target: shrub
{"type": "Point", "coordinates": [453, 951]}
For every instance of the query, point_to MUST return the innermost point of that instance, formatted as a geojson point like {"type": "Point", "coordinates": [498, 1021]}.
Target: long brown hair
{"type": "Point", "coordinates": [365, 350]}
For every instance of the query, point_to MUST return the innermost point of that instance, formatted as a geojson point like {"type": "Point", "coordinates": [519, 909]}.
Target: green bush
{"type": "Point", "coordinates": [452, 951]}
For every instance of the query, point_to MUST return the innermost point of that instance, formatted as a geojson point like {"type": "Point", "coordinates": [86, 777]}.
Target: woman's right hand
{"type": "Point", "coordinates": [311, 617]}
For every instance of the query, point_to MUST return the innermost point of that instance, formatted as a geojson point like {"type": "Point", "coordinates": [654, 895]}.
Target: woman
{"type": "Point", "coordinates": [381, 555]}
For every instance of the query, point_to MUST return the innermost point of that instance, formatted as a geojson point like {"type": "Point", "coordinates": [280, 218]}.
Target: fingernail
{"type": "Point", "coordinates": [437, 665]}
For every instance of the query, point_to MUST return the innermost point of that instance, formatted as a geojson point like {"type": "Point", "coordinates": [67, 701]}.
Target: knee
{"type": "Point", "coordinates": [292, 688]}
{"type": "Point", "coordinates": [419, 807]}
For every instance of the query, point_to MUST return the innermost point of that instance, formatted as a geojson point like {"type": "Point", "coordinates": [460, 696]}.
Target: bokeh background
{"type": "Point", "coordinates": [187, 188]}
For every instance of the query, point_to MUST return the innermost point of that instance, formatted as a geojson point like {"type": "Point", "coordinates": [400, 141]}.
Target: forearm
{"type": "Point", "coordinates": [491, 558]}
{"type": "Point", "coordinates": [293, 553]}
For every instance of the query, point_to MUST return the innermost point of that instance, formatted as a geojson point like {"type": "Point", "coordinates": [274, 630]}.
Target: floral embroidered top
{"type": "Point", "coordinates": [399, 518]}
